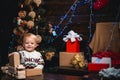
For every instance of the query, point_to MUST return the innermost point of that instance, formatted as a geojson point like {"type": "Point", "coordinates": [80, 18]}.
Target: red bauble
{"type": "Point", "coordinates": [98, 4]}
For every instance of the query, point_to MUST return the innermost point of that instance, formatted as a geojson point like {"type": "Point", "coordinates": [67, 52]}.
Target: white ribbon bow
{"type": "Point", "coordinates": [72, 36]}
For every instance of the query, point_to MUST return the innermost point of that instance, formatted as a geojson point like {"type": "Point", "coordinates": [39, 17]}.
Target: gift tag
{"type": "Point", "coordinates": [98, 60]}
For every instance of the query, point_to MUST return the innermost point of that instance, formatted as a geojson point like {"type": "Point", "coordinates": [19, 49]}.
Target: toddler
{"type": "Point", "coordinates": [31, 58]}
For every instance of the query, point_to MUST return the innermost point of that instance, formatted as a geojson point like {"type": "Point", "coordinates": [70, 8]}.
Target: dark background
{"type": "Point", "coordinates": [8, 9]}
{"type": "Point", "coordinates": [55, 9]}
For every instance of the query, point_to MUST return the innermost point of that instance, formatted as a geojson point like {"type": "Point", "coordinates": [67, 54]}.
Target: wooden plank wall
{"type": "Point", "coordinates": [55, 9]}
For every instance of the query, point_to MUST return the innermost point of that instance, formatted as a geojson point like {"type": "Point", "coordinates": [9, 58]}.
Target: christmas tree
{"type": "Point", "coordinates": [31, 19]}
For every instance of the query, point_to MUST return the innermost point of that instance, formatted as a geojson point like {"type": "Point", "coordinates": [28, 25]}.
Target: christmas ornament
{"type": "Point", "coordinates": [37, 2]}
{"type": "Point", "coordinates": [30, 24]}
{"type": "Point", "coordinates": [98, 4]}
{"type": "Point", "coordinates": [19, 31]}
{"type": "Point", "coordinates": [22, 14]}
{"type": "Point", "coordinates": [49, 55]}
{"type": "Point", "coordinates": [32, 14]}
{"type": "Point", "coordinates": [19, 21]}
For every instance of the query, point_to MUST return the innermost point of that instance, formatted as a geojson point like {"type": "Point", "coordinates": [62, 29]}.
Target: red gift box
{"type": "Point", "coordinates": [97, 67]}
{"type": "Point", "coordinates": [73, 46]}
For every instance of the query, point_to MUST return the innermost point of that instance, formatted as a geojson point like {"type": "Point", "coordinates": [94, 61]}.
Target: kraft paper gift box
{"type": "Point", "coordinates": [14, 59]}
{"type": "Point", "coordinates": [20, 74]}
{"type": "Point", "coordinates": [33, 72]}
{"type": "Point", "coordinates": [66, 57]}
{"type": "Point", "coordinates": [103, 60]}
{"type": "Point", "coordinates": [14, 62]}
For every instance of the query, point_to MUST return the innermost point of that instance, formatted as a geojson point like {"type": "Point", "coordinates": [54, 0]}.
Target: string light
{"type": "Point", "coordinates": [113, 29]}
{"type": "Point", "coordinates": [72, 8]}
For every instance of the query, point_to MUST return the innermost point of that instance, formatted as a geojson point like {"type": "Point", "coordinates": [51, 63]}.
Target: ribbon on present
{"type": "Point", "coordinates": [110, 54]}
{"type": "Point", "coordinates": [72, 36]}
{"type": "Point", "coordinates": [79, 61]}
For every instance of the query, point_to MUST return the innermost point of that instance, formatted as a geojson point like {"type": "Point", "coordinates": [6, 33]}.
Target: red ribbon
{"type": "Point", "coordinates": [112, 55]}
{"type": "Point", "coordinates": [98, 4]}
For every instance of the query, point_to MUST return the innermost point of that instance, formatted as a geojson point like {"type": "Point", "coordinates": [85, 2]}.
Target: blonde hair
{"type": "Point", "coordinates": [37, 38]}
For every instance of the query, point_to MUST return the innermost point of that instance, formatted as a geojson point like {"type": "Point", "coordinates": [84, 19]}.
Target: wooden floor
{"type": "Point", "coordinates": [61, 73]}
{"type": "Point", "coordinates": [51, 76]}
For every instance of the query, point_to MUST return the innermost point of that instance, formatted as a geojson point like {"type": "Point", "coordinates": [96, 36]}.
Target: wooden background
{"type": "Point", "coordinates": [55, 9]}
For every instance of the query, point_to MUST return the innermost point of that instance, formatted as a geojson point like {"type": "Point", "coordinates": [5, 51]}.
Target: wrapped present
{"type": "Point", "coordinates": [103, 60]}
{"type": "Point", "coordinates": [33, 72]}
{"type": "Point", "coordinates": [97, 67]}
{"type": "Point", "coordinates": [14, 59]}
{"type": "Point", "coordinates": [66, 57]}
{"type": "Point", "coordinates": [115, 61]}
{"type": "Point", "coordinates": [72, 42]}
{"type": "Point", "coordinates": [110, 54]}
{"type": "Point", "coordinates": [20, 74]}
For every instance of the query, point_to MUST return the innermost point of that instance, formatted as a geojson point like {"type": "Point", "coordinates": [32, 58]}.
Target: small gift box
{"type": "Point", "coordinates": [97, 66]}
{"type": "Point", "coordinates": [72, 42]}
{"type": "Point", "coordinates": [103, 60]}
{"type": "Point", "coordinates": [66, 57]}
{"type": "Point", "coordinates": [33, 72]}
{"type": "Point", "coordinates": [14, 59]}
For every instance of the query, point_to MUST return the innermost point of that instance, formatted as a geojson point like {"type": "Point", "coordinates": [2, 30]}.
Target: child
{"type": "Point", "coordinates": [31, 58]}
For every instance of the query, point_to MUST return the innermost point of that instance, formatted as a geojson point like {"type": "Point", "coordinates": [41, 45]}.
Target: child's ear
{"type": "Point", "coordinates": [37, 45]}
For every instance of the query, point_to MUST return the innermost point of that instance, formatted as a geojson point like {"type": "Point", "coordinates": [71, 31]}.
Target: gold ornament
{"type": "Point", "coordinates": [19, 31]}
{"type": "Point", "coordinates": [32, 14]}
{"type": "Point", "coordinates": [37, 2]}
{"type": "Point", "coordinates": [49, 55]}
{"type": "Point", "coordinates": [22, 14]}
{"type": "Point", "coordinates": [30, 24]}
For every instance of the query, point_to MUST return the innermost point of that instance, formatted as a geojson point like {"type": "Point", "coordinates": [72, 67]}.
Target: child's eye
{"type": "Point", "coordinates": [32, 43]}
{"type": "Point", "coordinates": [26, 43]}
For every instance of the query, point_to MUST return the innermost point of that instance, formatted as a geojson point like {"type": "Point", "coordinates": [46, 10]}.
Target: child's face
{"type": "Point", "coordinates": [30, 44]}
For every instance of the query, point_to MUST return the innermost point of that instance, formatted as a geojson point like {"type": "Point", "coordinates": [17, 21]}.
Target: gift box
{"type": "Point", "coordinates": [15, 66]}
{"type": "Point", "coordinates": [20, 74]}
{"type": "Point", "coordinates": [66, 57]}
{"type": "Point", "coordinates": [103, 60]}
{"type": "Point", "coordinates": [73, 46]}
{"type": "Point", "coordinates": [14, 59]}
{"type": "Point", "coordinates": [72, 42]}
{"type": "Point", "coordinates": [97, 66]}
{"type": "Point", "coordinates": [33, 72]}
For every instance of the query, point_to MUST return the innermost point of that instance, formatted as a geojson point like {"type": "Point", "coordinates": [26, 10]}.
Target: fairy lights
{"type": "Point", "coordinates": [71, 9]}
